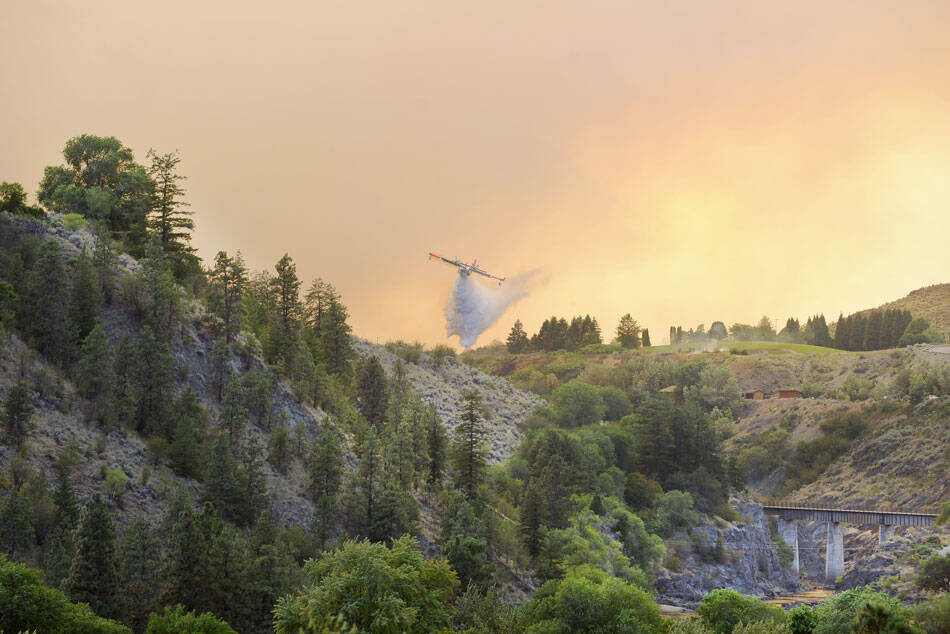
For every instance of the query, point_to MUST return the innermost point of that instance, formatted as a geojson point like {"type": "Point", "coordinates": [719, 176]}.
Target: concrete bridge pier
{"type": "Point", "coordinates": [834, 557]}
{"type": "Point", "coordinates": [788, 531]}
{"type": "Point", "coordinates": [885, 533]}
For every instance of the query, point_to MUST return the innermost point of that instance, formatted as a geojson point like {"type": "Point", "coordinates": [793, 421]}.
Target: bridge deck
{"type": "Point", "coordinates": [849, 516]}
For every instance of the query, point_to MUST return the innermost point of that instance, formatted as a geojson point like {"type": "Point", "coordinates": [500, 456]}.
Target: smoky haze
{"type": "Point", "coordinates": [682, 162]}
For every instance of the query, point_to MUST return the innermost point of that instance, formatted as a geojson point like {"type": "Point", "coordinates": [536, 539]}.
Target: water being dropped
{"type": "Point", "coordinates": [474, 306]}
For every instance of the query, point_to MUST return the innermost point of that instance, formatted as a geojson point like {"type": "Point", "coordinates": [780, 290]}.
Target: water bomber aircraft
{"type": "Point", "coordinates": [467, 269]}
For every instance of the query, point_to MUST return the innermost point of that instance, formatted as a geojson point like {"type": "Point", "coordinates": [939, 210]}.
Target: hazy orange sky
{"type": "Point", "coordinates": [681, 161]}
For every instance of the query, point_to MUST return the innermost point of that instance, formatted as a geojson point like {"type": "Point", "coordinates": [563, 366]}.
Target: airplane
{"type": "Point", "coordinates": [467, 269]}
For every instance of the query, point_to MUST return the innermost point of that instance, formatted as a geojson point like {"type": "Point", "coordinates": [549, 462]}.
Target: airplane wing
{"type": "Point", "coordinates": [446, 260]}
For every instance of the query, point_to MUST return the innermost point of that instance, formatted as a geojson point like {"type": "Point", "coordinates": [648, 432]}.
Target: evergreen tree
{"type": "Point", "coordinates": [317, 302]}
{"type": "Point", "coordinates": [822, 336]}
{"type": "Point", "coordinates": [437, 442]}
{"type": "Point", "coordinates": [462, 542]}
{"type": "Point", "coordinates": [45, 304]}
{"type": "Point", "coordinates": [285, 287]}
{"type": "Point", "coordinates": [252, 486]}
{"type": "Point", "coordinates": [335, 339]}
{"type": "Point", "coordinates": [364, 488]}
{"type": "Point", "coordinates": [628, 332]}
{"type": "Point", "coordinates": [169, 217]}
{"type": "Point", "coordinates": [872, 333]}
{"type": "Point", "coordinates": [58, 557]}
{"type": "Point", "coordinates": [372, 391]}
{"type": "Point", "coordinates": [842, 332]}
{"type": "Point", "coordinates": [185, 453]}
{"type": "Point", "coordinates": [396, 513]}
{"type": "Point", "coordinates": [17, 413]}
{"type": "Point", "coordinates": [94, 372]}
{"type": "Point", "coordinates": [84, 299]}
{"type": "Point", "coordinates": [228, 280]}
{"type": "Point", "coordinates": [16, 525]}
{"type": "Point", "coordinates": [220, 484]}
{"type": "Point", "coordinates": [278, 446]}
{"type": "Point", "coordinates": [469, 451]}
{"type": "Point", "coordinates": [67, 509]}
{"type": "Point", "coordinates": [591, 332]}
{"type": "Point", "coordinates": [182, 581]}
{"type": "Point", "coordinates": [517, 338]}
{"type": "Point", "coordinates": [105, 261]}
{"type": "Point", "coordinates": [858, 332]}
{"type": "Point", "coordinates": [645, 338]}
{"type": "Point", "coordinates": [221, 370]}
{"type": "Point", "coordinates": [140, 553]}
{"type": "Point", "coordinates": [161, 304]}
{"type": "Point", "coordinates": [233, 417]}
{"type": "Point", "coordinates": [271, 574]}
{"type": "Point", "coordinates": [151, 379]}
{"type": "Point", "coordinates": [93, 577]}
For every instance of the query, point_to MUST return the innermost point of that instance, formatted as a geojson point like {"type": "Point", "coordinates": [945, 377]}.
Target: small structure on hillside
{"type": "Point", "coordinates": [790, 394]}
{"type": "Point", "coordinates": [757, 395]}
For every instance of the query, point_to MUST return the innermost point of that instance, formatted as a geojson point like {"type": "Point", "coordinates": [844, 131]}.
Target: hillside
{"type": "Point", "coordinates": [930, 302]}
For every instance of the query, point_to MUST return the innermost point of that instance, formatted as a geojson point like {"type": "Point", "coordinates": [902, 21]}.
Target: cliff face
{"type": "Point", "coordinates": [747, 561]}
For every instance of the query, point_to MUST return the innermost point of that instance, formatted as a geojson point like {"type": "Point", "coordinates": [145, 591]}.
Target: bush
{"type": "Point", "coordinates": [934, 574]}
{"type": "Point", "coordinates": [177, 621]}
{"type": "Point", "coordinates": [674, 511]}
{"type": "Point", "coordinates": [722, 610]}
{"type": "Point", "coordinates": [440, 353]}
{"type": "Point", "coordinates": [409, 594]}
{"type": "Point", "coordinates": [933, 616]}
{"type": "Point", "coordinates": [589, 600]}
{"type": "Point", "coordinates": [74, 222]}
{"type": "Point", "coordinates": [801, 620]}
{"type": "Point", "coordinates": [839, 612]}
{"type": "Point", "coordinates": [408, 352]}
{"type": "Point", "coordinates": [26, 605]}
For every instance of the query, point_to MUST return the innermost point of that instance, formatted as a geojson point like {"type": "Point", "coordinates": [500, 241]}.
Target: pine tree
{"type": "Point", "coordinates": [17, 413]}
{"type": "Point", "coordinates": [221, 370]}
{"type": "Point", "coordinates": [234, 414]}
{"type": "Point", "coordinates": [152, 374]}
{"type": "Point", "coordinates": [182, 579]}
{"type": "Point", "coordinates": [364, 487]}
{"type": "Point", "coordinates": [140, 553]}
{"type": "Point", "coordinates": [469, 451]}
{"type": "Point", "coordinates": [161, 305]}
{"type": "Point", "coordinates": [220, 485]}
{"type": "Point", "coordinates": [437, 441]}
{"type": "Point", "coordinates": [84, 299]}
{"type": "Point", "coordinates": [251, 486]}
{"type": "Point", "coordinates": [858, 331]}
{"type": "Point", "coordinates": [325, 474]}
{"type": "Point", "coordinates": [67, 509]}
{"type": "Point", "coordinates": [842, 332]}
{"type": "Point", "coordinates": [58, 557]}
{"type": "Point", "coordinates": [16, 525]}
{"type": "Point", "coordinates": [517, 338]}
{"type": "Point", "coordinates": [278, 446]}
{"type": "Point", "coordinates": [462, 541]}
{"type": "Point", "coordinates": [872, 334]}
{"type": "Point", "coordinates": [105, 261]}
{"type": "Point", "coordinates": [45, 304]}
{"type": "Point", "coordinates": [285, 287]}
{"type": "Point", "coordinates": [228, 280]}
{"type": "Point", "coordinates": [335, 339]}
{"type": "Point", "coordinates": [822, 336]}
{"type": "Point", "coordinates": [645, 338]}
{"type": "Point", "coordinates": [185, 453]}
{"type": "Point", "coordinates": [628, 332]}
{"type": "Point", "coordinates": [372, 392]}
{"type": "Point", "coordinates": [169, 218]}
{"type": "Point", "coordinates": [94, 372]}
{"type": "Point", "coordinates": [317, 302]}
{"type": "Point", "coordinates": [93, 577]}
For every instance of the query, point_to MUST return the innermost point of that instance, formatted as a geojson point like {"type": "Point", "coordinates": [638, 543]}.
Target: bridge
{"type": "Point", "coordinates": [788, 516]}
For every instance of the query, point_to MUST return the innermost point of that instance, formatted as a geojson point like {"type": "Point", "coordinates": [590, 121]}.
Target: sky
{"type": "Point", "coordinates": [685, 162]}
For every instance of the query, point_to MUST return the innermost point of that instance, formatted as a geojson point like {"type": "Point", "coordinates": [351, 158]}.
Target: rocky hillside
{"type": "Point", "coordinates": [443, 384]}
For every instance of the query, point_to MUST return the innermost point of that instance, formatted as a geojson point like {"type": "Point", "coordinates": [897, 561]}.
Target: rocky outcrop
{"type": "Point", "coordinates": [746, 561]}
{"type": "Point", "coordinates": [444, 384]}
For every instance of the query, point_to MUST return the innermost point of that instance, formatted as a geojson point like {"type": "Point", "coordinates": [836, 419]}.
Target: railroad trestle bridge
{"type": "Point", "coordinates": [788, 517]}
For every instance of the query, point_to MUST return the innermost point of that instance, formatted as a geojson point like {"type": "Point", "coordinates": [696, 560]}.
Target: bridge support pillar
{"type": "Point", "coordinates": [834, 558]}
{"type": "Point", "coordinates": [884, 533]}
{"type": "Point", "coordinates": [788, 531]}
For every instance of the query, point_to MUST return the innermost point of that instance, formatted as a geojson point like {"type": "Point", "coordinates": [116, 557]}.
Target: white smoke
{"type": "Point", "coordinates": [474, 306]}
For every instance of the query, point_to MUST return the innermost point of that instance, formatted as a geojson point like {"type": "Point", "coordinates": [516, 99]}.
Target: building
{"type": "Point", "coordinates": [790, 394]}
{"type": "Point", "coordinates": [757, 395]}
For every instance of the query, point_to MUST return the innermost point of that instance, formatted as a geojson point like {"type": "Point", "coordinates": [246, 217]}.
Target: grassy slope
{"type": "Point", "coordinates": [930, 302]}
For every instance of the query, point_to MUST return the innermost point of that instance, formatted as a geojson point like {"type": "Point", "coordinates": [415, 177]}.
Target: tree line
{"type": "Point", "coordinates": [559, 334]}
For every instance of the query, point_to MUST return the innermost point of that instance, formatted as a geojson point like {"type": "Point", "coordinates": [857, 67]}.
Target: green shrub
{"type": "Point", "coordinates": [934, 574]}
{"type": "Point", "coordinates": [27, 605]}
{"type": "Point", "coordinates": [839, 612]}
{"type": "Point", "coordinates": [576, 404]}
{"type": "Point", "coordinates": [177, 621]}
{"type": "Point", "coordinates": [440, 353]}
{"type": "Point", "coordinates": [722, 610]}
{"type": "Point", "coordinates": [933, 616]}
{"type": "Point", "coordinates": [74, 222]}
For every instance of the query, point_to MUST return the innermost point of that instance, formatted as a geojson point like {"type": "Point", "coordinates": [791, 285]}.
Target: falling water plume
{"type": "Point", "coordinates": [473, 307]}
